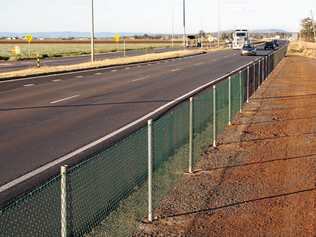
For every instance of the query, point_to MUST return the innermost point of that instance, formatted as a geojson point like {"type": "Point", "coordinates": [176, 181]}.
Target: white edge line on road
{"type": "Point", "coordinates": [64, 158]}
{"type": "Point", "coordinates": [175, 70]}
{"type": "Point", "coordinates": [64, 99]}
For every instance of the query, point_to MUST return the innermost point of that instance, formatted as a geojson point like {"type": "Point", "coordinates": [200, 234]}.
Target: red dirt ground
{"type": "Point", "coordinates": [261, 179]}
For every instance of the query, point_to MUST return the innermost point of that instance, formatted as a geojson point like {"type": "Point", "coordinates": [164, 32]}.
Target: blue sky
{"type": "Point", "coordinates": [153, 16]}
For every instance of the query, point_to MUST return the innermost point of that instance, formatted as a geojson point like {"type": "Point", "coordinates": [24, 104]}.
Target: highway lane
{"type": "Point", "coordinates": [19, 65]}
{"type": "Point", "coordinates": [44, 118]}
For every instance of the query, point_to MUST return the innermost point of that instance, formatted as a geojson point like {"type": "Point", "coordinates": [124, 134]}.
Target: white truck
{"type": "Point", "coordinates": [240, 37]}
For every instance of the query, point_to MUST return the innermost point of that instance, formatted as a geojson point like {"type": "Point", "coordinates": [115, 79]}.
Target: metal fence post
{"type": "Point", "coordinates": [240, 92]}
{"type": "Point", "coordinates": [191, 136]}
{"type": "Point", "coordinates": [259, 72]}
{"type": "Point", "coordinates": [229, 101]}
{"type": "Point", "coordinates": [263, 69]}
{"type": "Point", "coordinates": [63, 173]}
{"type": "Point", "coordinates": [254, 75]}
{"type": "Point", "coordinates": [150, 169]}
{"type": "Point", "coordinates": [248, 82]}
{"type": "Point", "coordinates": [214, 117]}
{"type": "Point", "coordinates": [267, 64]}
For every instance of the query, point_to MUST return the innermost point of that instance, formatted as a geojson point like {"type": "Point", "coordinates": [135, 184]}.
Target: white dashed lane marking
{"type": "Point", "coordinates": [64, 99]}
{"type": "Point", "coordinates": [29, 85]}
{"type": "Point", "coordinates": [140, 79]}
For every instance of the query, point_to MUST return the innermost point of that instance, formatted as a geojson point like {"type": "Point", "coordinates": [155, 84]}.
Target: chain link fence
{"type": "Point", "coordinates": [78, 199]}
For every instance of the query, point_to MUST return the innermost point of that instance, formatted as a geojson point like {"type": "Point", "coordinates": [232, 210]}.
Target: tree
{"type": "Point", "coordinates": [307, 29]}
{"type": "Point", "coordinates": [202, 34]}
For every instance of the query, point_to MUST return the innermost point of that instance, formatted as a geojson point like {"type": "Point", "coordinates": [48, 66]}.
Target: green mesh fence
{"type": "Point", "coordinates": [257, 79]}
{"type": "Point", "coordinates": [244, 85]}
{"type": "Point", "coordinates": [235, 94]}
{"type": "Point", "coordinates": [222, 103]}
{"type": "Point", "coordinates": [202, 122]}
{"type": "Point", "coordinates": [253, 78]}
{"type": "Point", "coordinates": [170, 141]}
{"type": "Point", "coordinates": [36, 214]}
{"type": "Point", "coordinates": [99, 184]}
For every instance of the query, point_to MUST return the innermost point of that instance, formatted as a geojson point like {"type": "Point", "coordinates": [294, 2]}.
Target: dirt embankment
{"type": "Point", "coordinates": [261, 179]}
{"type": "Point", "coordinates": [302, 48]}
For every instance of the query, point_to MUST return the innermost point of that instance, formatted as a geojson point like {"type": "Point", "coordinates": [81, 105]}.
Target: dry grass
{"type": "Point", "coordinates": [73, 49]}
{"type": "Point", "coordinates": [301, 48]}
{"type": "Point", "coordinates": [98, 64]}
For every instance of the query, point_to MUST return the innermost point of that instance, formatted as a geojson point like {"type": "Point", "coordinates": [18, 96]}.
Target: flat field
{"type": "Point", "coordinates": [72, 49]}
{"type": "Point", "coordinates": [301, 48]}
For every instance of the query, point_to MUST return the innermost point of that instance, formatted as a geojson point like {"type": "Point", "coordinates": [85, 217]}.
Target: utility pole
{"type": "Point", "coordinates": [219, 23]}
{"type": "Point", "coordinates": [92, 31]}
{"type": "Point", "coordinates": [313, 25]}
{"type": "Point", "coordinates": [184, 30]}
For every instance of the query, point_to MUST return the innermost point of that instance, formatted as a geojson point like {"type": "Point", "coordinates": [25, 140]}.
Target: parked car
{"type": "Point", "coordinates": [248, 50]}
{"type": "Point", "coordinates": [269, 46]}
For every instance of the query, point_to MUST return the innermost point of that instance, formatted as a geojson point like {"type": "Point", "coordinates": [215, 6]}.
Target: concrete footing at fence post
{"type": "Point", "coordinates": [150, 169]}
{"type": "Point", "coordinates": [63, 195]}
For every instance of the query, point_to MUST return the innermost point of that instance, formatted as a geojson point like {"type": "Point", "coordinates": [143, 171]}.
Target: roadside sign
{"type": "Point", "coordinates": [29, 38]}
{"type": "Point", "coordinates": [117, 38]}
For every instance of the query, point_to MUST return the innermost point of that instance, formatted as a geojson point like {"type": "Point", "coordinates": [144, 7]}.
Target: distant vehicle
{"type": "Point", "coordinates": [276, 44]}
{"type": "Point", "coordinates": [248, 50]}
{"type": "Point", "coordinates": [269, 46]}
{"type": "Point", "coordinates": [240, 37]}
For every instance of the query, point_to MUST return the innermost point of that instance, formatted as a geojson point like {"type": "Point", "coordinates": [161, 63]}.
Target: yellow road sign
{"type": "Point", "coordinates": [117, 37]}
{"type": "Point", "coordinates": [29, 38]}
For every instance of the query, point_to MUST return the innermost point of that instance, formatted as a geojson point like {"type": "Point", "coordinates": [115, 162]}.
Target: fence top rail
{"type": "Point", "coordinates": [157, 112]}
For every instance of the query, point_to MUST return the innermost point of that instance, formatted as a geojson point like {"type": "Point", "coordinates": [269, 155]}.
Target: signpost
{"type": "Point", "coordinates": [29, 39]}
{"type": "Point", "coordinates": [117, 38]}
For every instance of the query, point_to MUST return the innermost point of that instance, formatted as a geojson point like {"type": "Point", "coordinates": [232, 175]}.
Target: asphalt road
{"type": "Point", "coordinates": [44, 118]}
{"type": "Point", "coordinates": [19, 65]}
